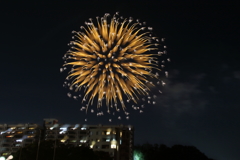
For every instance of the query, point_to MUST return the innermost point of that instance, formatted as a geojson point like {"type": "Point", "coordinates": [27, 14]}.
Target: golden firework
{"type": "Point", "coordinates": [112, 58]}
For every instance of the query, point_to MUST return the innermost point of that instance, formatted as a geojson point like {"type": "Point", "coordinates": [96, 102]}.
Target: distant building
{"type": "Point", "coordinates": [117, 140]}
{"type": "Point", "coordinates": [13, 136]}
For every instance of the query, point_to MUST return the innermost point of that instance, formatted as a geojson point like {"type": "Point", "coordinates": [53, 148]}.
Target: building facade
{"type": "Point", "coordinates": [117, 140]}
{"type": "Point", "coordinates": [14, 136]}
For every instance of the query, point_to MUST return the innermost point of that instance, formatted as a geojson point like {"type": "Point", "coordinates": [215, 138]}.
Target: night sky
{"type": "Point", "coordinates": [199, 105]}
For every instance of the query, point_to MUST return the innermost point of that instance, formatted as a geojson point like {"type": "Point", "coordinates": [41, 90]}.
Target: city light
{"type": "Point", "coordinates": [76, 126]}
{"type": "Point", "coordinates": [20, 140]}
{"type": "Point", "coordinates": [9, 130]}
{"type": "Point", "coordinates": [54, 126]}
{"type": "Point", "coordinates": [137, 155]}
{"type": "Point", "coordinates": [3, 158]}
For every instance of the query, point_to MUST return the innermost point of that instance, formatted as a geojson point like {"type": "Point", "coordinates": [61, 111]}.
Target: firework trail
{"type": "Point", "coordinates": [113, 60]}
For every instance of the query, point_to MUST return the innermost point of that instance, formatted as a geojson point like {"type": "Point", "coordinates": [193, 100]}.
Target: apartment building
{"type": "Point", "coordinates": [14, 136]}
{"type": "Point", "coordinates": [117, 140]}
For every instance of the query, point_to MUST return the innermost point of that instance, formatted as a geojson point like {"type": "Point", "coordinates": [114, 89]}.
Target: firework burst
{"type": "Point", "coordinates": [113, 61]}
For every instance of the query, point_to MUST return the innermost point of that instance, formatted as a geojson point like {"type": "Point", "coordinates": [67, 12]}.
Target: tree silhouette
{"type": "Point", "coordinates": [176, 152]}
{"type": "Point", "coordinates": [62, 152]}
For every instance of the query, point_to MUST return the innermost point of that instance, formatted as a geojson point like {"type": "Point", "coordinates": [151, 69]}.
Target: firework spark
{"type": "Point", "coordinates": [112, 60]}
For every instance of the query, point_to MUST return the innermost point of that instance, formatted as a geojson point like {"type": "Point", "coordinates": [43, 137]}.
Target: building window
{"type": "Point", "coordinates": [5, 154]}
{"type": "Point", "coordinates": [60, 136]}
{"type": "Point", "coordinates": [29, 132]}
{"type": "Point", "coordinates": [105, 146]}
{"type": "Point", "coordinates": [97, 147]}
{"type": "Point", "coordinates": [106, 139]}
{"type": "Point", "coordinates": [73, 141]}
{"type": "Point", "coordinates": [71, 136]}
{"type": "Point", "coordinates": [83, 141]}
{"type": "Point", "coordinates": [71, 132]}
{"type": "Point", "coordinates": [9, 136]}
{"type": "Point", "coordinates": [113, 146]}
{"type": "Point", "coordinates": [83, 132]}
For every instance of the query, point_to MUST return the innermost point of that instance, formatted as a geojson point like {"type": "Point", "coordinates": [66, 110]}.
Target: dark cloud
{"type": "Point", "coordinates": [184, 97]}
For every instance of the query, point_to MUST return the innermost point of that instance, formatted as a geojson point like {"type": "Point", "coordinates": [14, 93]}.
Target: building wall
{"type": "Point", "coordinates": [13, 136]}
{"type": "Point", "coordinates": [117, 140]}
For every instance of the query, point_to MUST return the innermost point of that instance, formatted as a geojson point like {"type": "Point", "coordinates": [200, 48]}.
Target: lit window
{"type": "Point", "coordinates": [73, 141]}
{"type": "Point", "coordinates": [107, 140]}
{"type": "Point", "coordinates": [113, 146]}
{"type": "Point", "coordinates": [19, 140]}
{"type": "Point", "coordinates": [5, 154]}
{"type": "Point", "coordinates": [62, 132]}
{"type": "Point", "coordinates": [76, 126]}
{"type": "Point", "coordinates": [108, 133]}
{"type": "Point", "coordinates": [83, 141]}
{"type": "Point", "coordinates": [9, 136]}
{"type": "Point", "coordinates": [83, 128]}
